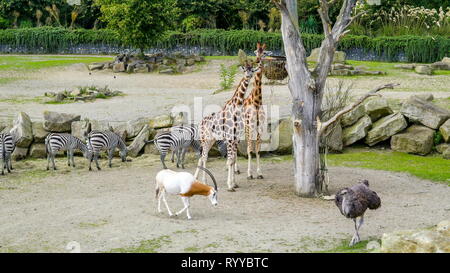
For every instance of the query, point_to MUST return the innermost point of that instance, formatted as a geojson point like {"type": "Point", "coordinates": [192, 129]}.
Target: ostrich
{"type": "Point", "coordinates": [353, 203]}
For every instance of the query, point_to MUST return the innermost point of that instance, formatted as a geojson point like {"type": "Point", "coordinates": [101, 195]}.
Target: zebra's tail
{"type": "Point", "coordinates": [3, 151]}
{"type": "Point", "coordinates": [47, 142]}
{"type": "Point", "coordinates": [149, 141]}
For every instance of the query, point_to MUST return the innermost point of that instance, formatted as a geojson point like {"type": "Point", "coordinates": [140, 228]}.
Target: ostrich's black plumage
{"type": "Point", "coordinates": [354, 201]}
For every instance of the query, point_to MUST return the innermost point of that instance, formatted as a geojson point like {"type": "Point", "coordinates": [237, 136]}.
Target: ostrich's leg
{"type": "Point", "coordinates": [355, 238]}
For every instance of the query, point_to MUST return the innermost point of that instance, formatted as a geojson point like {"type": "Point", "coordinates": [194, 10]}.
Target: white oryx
{"type": "Point", "coordinates": [185, 185]}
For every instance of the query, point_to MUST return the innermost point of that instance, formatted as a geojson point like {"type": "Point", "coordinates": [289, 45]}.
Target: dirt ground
{"type": "Point", "coordinates": [154, 94]}
{"type": "Point", "coordinates": [115, 210]}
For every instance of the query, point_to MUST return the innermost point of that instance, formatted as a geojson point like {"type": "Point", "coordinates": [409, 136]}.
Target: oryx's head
{"type": "Point", "coordinates": [213, 191]}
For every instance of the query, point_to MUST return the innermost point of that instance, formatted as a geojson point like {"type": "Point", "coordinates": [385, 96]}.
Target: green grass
{"type": "Point", "coordinates": [32, 62]}
{"type": "Point", "coordinates": [209, 58]}
{"type": "Point", "coordinates": [344, 248]}
{"type": "Point", "coordinates": [148, 246]}
{"type": "Point", "coordinates": [432, 167]}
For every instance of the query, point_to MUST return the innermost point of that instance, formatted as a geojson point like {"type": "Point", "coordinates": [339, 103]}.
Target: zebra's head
{"type": "Point", "coordinates": [123, 154]}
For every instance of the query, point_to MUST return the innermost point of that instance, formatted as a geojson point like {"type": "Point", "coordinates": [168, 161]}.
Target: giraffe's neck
{"type": "Point", "coordinates": [256, 95]}
{"type": "Point", "coordinates": [238, 96]}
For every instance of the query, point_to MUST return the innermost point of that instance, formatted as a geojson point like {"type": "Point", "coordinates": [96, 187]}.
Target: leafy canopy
{"type": "Point", "coordinates": [139, 23]}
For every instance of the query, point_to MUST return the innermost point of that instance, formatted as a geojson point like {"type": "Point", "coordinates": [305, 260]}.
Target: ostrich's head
{"type": "Point", "coordinates": [365, 182]}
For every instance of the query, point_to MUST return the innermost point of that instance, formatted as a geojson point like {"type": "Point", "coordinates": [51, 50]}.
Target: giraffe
{"type": "Point", "coordinates": [226, 125]}
{"type": "Point", "coordinates": [254, 115]}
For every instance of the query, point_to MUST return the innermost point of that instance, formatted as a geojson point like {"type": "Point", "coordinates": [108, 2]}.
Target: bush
{"type": "Point", "coordinates": [53, 39]}
{"type": "Point", "coordinates": [4, 23]}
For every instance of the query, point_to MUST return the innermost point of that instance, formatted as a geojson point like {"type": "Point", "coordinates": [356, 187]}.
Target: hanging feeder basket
{"type": "Point", "coordinates": [275, 68]}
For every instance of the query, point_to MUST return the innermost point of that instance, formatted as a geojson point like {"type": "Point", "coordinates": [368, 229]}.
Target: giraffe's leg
{"type": "Point", "coordinates": [257, 149]}
{"type": "Point", "coordinates": [230, 175]}
{"type": "Point", "coordinates": [249, 152]}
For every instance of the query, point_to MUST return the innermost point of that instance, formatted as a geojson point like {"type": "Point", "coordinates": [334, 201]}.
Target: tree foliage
{"type": "Point", "coordinates": [139, 23]}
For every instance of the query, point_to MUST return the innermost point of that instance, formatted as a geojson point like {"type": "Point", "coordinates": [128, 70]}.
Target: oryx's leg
{"type": "Point", "coordinates": [186, 207]}
{"type": "Point", "coordinates": [163, 194]}
{"type": "Point", "coordinates": [159, 196]}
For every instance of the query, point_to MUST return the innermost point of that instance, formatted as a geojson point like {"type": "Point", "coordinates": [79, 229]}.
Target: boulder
{"type": "Point", "coordinates": [199, 58]}
{"type": "Point", "coordinates": [339, 56]}
{"type": "Point", "coordinates": [445, 130]}
{"type": "Point", "coordinates": [59, 122]}
{"type": "Point", "coordinates": [353, 116]}
{"type": "Point", "coordinates": [151, 149]}
{"type": "Point", "coordinates": [340, 66]}
{"type": "Point", "coordinates": [139, 142]}
{"type": "Point", "coordinates": [135, 126]}
{"type": "Point", "coordinates": [5, 124]}
{"type": "Point", "coordinates": [424, 69]}
{"type": "Point", "coordinates": [167, 71]}
{"type": "Point", "coordinates": [377, 108]}
{"type": "Point", "coordinates": [440, 148]}
{"type": "Point", "coordinates": [119, 67]}
{"type": "Point", "coordinates": [285, 131]}
{"type": "Point", "coordinates": [421, 111]}
{"type": "Point", "coordinates": [100, 125]}
{"type": "Point", "coordinates": [163, 121]}
{"type": "Point", "coordinates": [37, 150]}
{"type": "Point", "coordinates": [357, 131]}
{"type": "Point", "coordinates": [342, 72]}
{"type": "Point", "coordinates": [23, 130]}
{"type": "Point", "coordinates": [39, 133]}
{"type": "Point", "coordinates": [120, 128]}
{"type": "Point", "coordinates": [19, 154]}
{"type": "Point", "coordinates": [80, 129]}
{"type": "Point", "coordinates": [385, 128]}
{"type": "Point", "coordinates": [446, 60]}
{"type": "Point", "coordinates": [435, 240]}
{"type": "Point", "coordinates": [416, 139]}
{"type": "Point", "coordinates": [141, 69]}
{"type": "Point", "coordinates": [96, 66]}
{"type": "Point", "coordinates": [405, 66]}
{"type": "Point", "coordinates": [333, 138]}
{"type": "Point", "coordinates": [440, 66]}
{"type": "Point", "coordinates": [190, 62]}
{"type": "Point", "coordinates": [180, 118]}
{"type": "Point", "coordinates": [426, 96]}
{"type": "Point", "coordinates": [446, 154]}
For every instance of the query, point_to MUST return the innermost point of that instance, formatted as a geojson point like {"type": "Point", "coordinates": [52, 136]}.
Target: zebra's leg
{"type": "Point", "coordinates": [110, 156]}
{"type": "Point", "coordinates": [178, 152]}
{"type": "Point", "coordinates": [68, 157]}
{"type": "Point", "coordinates": [183, 154]}
{"type": "Point", "coordinates": [2, 164]}
{"type": "Point", "coordinates": [257, 149]}
{"type": "Point", "coordinates": [172, 158]}
{"type": "Point", "coordinates": [48, 161]}
{"type": "Point", "coordinates": [53, 160]}
{"type": "Point", "coordinates": [8, 163]}
{"type": "Point", "coordinates": [96, 161]}
{"type": "Point", "coordinates": [90, 162]}
{"type": "Point", "coordinates": [73, 159]}
{"type": "Point", "coordinates": [162, 158]}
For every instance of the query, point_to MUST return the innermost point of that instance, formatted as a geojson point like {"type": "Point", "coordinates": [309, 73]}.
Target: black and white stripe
{"type": "Point", "coordinates": [105, 141]}
{"type": "Point", "coordinates": [178, 140]}
{"type": "Point", "coordinates": [56, 142]}
{"type": "Point", "coordinates": [7, 147]}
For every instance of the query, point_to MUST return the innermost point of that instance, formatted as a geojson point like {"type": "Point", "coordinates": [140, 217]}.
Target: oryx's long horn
{"type": "Point", "coordinates": [210, 174]}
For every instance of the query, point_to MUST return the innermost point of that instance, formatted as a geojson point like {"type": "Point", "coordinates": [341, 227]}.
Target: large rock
{"type": "Point", "coordinates": [440, 148]}
{"type": "Point", "coordinates": [120, 128]}
{"type": "Point", "coordinates": [135, 126]}
{"type": "Point", "coordinates": [385, 128]}
{"type": "Point", "coordinates": [39, 133]}
{"type": "Point", "coordinates": [96, 66]}
{"type": "Point", "coordinates": [357, 131]}
{"type": "Point", "coordinates": [80, 129]}
{"type": "Point", "coordinates": [424, 69]}
{"type": "Point", "coordinates": [59, 122]}
{"type": "Point", "coordinates": [353, 116]}
{"type": "Point", "coordinates": [339, 56]}
{"type": "Point", "coordinates": [5, 124]}
{"type": "Point", "coordinates": [163, 121]}
{"type": "Point", "coordinates": [19, 153]}
{"type": "Point", "coordinates": [440, 66]}
{"type": "Point", "coordinates": [446, 60]}
{"type": "Point", "coordinates": [100, 125]}
{"type": "Point", "coordinates": [446, 154]}
{"type": "Point", "coordinates": [23, 130]}
{"type": "Point", "coordinates": [445, 130]}
{"type": "Point", "coordinates": [119, 67]}
{"type": "Point", "coordinates": [37, 150]}
{"type": "Point", "coordinates": [435, 240]}
{"type": "Point", "coordinates": [377, 108]}
{"type": "Point", "coordinates": [421, 111]}
{"type": "Point", "coordinates": [333, 138]}
{"type": "Point", "coordinates": [416, 139]}
{"type": "Point", "coordinates": [139, 142]}
{"type": "Point", "coordinates": [285, 131]}
{"type": "Point", "coordinates": [425, 96]}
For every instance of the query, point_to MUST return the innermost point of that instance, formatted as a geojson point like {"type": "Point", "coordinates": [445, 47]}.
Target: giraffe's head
{"type": "Point", "coordinates": [249, 70]}
{"type": "Point", "coordinates": [261, 51]}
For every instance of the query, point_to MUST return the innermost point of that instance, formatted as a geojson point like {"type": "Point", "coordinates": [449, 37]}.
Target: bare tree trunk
{"type": "Point", "coordinates": [307, 87]}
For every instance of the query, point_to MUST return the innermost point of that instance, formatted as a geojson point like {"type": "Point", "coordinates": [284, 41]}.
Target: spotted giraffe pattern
{"type": "Point", "coordinates": [226, 125]}
{"type": "Point", "coordinates": [254, 115]}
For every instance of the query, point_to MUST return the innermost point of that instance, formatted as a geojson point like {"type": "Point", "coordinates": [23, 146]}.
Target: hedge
{"type": "Point", "coordinates": [415, 48]}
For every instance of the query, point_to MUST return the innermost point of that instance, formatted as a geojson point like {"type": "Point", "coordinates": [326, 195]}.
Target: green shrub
{"type": "Point", "coordinates": [53, 39]}
{"type": "Point", "coordinates": [227, 76]}
{"type": "Point", "coordinates": [4, 23]}
{"type": "Point", "coordinates": [26, 24]}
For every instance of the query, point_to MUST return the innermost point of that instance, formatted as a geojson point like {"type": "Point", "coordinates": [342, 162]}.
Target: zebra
{"type": "Point", "coordinates": [56, 142]}
{"type": "Point", "coordinates": [7, 146]}
{"type": "Point", "coordinates": [178, 140]}
{"type": "Point", "coordinates": [105, 140]}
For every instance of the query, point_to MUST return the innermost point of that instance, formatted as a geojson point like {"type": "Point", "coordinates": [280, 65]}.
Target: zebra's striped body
{"type": "Point", "coordinates": [7, 146]}
{"type": "Point", "coordinates": [105, 141]}
{"type": "Point", "coordinates": [178, 140]}
{"type": "Point", "coordinates": [56, 142]}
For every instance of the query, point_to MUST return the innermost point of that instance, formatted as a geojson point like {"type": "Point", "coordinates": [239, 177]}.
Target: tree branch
{"type": "Point", "coordinates": [323, 126]}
